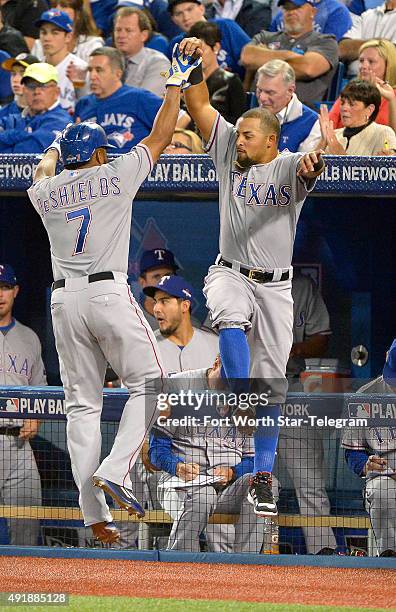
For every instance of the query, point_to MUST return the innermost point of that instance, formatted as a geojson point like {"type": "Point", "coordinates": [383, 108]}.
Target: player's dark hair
{"type": "Point", "coordinates": [268, 121]}
{"type": "Point", "coordinates": [207, 31]}
{"type": "Point", "coordinates": [362, 91]}
{"type": "Point", "coordinates": [143, 20]}
{"type": "Point", "coordinates": [116, 58]}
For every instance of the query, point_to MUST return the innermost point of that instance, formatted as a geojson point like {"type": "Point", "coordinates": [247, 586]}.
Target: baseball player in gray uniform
{"type": "Point", "coordinates": [221, 452]}
{"type": "Point", "coordinates": [154, 264]}
{"type": "Point", "coordinates": [371, 453]}
{"type": "Point", "coordinates": [20, 365]}
{"type": "Point", "coordinates": [301, 448]}
{"type": "Point", "coordinates": [87, 211]}
{"type": "Point", "coordinates": [248, 290]}
{"type": "Point", "coordinates": [182, 346]}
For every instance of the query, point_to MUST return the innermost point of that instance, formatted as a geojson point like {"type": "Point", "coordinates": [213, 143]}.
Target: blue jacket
{"type": "Point", "coordinates": [10, 109]}
{"type": "Point", "coordinates": [32, 133]}
{"type": "Point", "coordinates": [161, 455]}
{"type": "Point", "coordinates": [233, 39]}
{"type": "Point", "coordinates": [294, 132]}
{"type": "Point", "coordinates": [127, 116]}
{"type": "Point", "coordinates": [332, 17]}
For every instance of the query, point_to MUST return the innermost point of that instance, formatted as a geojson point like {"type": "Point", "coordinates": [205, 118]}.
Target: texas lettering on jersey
{"type": "Point", "coordinates": [260, 194]}
{"type": "Point", "coordinates": [13, 363]}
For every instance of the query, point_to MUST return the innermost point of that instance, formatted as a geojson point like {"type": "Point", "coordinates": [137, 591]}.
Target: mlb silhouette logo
{"type": "Point", "coordinates": [9, 404]}
{"type": "Point", "coordinates": [359, 410]}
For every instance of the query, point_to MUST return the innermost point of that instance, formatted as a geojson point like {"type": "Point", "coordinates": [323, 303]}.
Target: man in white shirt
{"type": "Point", "coordinates": [276, 91]}
{"type": "Point", "coordinates": [379, 22]}
{"type": "Point", "coordinates": [55, 35]}
{"type": "Point", "coordinates": [144, 66]}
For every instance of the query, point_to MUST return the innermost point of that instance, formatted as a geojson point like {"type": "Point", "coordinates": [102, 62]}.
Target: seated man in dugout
{"type": "Point", "coordinates": [223, 457]}
{"type": "Point", "coordinates": [370, 452]}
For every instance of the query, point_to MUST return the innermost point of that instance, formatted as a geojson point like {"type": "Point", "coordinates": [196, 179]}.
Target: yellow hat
{"type": "Point", "coordinates": [41, 72]}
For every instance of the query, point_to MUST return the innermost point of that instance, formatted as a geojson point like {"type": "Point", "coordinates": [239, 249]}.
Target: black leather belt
{"type": "Point", "coordinates": [256, 275]}
{"type": "Point", "coordinates": [10, 431]}
{"type": "Point", "coordinates": [92, 278]}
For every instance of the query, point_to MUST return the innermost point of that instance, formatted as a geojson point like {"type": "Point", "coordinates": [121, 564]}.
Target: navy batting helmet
{"type": "Point", "coordinates": [79, 142]}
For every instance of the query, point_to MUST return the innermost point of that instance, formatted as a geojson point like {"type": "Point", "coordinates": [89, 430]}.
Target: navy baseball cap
{"type": "Point", "coordinates": [297, 2]}
{"type": "Point", "coordinates": [58, 18]}
{"type": "Point", "coordinates": [176, 286]}
{"type": "Point", "coordinates": [173, 3]}
{"type": "Point", "coordinates": [157, 258]}
{"type": "Point", "coordinates": [7, 275]}
{"type": "Point", "coordinates": [389, 371]}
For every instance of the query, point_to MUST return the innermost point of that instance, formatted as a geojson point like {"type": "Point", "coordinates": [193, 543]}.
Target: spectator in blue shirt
{"type": "Point", "coordinates": [17, 66]}
{"type": "Point", "coordinates": [331, 17]}
{"type": "Point", "coordinates": [103, 13]}
{"type": "Point", "coordinates": [357, 7]}
{"type": "Point", "coordinates": [125, 113]}
{"type": "Point", "coordinates": [33, 130]}
{"type": "Point", "coordinates": [186, 13]}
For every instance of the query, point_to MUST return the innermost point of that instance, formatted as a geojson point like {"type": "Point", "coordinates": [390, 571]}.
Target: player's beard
{"type": "Point", "coordinates": [244, 162]}
{"type": "Point", "coordinates": [169, 330]}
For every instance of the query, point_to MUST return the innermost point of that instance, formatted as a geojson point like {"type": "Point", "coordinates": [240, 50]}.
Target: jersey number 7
{"type": "Point", "coordinates": [85, 215]}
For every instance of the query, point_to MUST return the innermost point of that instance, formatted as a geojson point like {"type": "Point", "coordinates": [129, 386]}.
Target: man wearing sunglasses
{"type": "Point", "coordinates": [33, 130]}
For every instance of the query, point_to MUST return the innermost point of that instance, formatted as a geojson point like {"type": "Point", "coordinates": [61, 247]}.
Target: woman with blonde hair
{"type": "Point", "coordinates": [184, 142]}
{"type": "Point", "coordinates": [377, 64]}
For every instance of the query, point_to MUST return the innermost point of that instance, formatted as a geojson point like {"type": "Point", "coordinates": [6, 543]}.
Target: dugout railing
{"type": "Point", "coordinates": [60, 519]}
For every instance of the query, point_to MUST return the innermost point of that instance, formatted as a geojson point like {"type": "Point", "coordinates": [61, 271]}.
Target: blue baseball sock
{"type": "Point", "coordinates": [235, 357]}
{"type": "Point", "coordinates": [266, 439]}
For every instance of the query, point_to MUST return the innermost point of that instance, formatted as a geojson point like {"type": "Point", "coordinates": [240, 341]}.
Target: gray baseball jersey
{"type": "Point", "coordinates": [376, 440]}
{"type": "Point", "coordinates": [201, 351]}
{"type": "Point", "coordinates": [87, 214]}
{"type": "Point", "coordinates": [20, 361]}
{"type": "Point", "coordinates": [20, 365]}
{"type": "Point", "coordinates": [259, 206]}
{"type": "Point", "coordinates": [310, 316]}
{"type": "Point", "coordinates": [191, 443]}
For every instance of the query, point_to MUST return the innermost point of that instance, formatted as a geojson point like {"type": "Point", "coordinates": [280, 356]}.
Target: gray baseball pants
{"type": "Point", "coordinates": [191, 508]}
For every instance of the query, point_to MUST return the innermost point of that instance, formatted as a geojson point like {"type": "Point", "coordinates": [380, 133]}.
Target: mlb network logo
{"type": "Point", "coordinates": [359, 410]}
{"type": "Point", "coordinates": [9, 404]}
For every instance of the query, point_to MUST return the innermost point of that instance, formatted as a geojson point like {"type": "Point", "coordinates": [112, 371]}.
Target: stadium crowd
{"type": "Point", "coordinates": [107, 59]}
{"type": "Point", "coordinates": [327, 70]}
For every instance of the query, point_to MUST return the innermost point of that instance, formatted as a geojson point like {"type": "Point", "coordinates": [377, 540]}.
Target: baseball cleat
{"type": "Point", "coordinates": [122, 495]}
{"type": "Point", "coordinates": [105, 532]}
{"type": "Point", "coordinates": [260, 494]}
